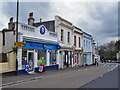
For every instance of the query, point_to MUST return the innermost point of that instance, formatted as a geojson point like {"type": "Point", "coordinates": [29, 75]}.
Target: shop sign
{"type": "Point", "coordinates": [19, 44]}
{"type": "Point", "coordinates": [42, 30]}
{"type": "Point", "coordinates": [33, 45]}
{"type": "Point", "coordinates": [41, 68]}
{"type": "Point", "coordinates": [44, 46]}
{"type": "Point", "coordinates": [58, 46]}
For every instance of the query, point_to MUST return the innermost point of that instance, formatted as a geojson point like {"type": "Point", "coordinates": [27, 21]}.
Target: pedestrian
{"type": "Point", "coordinates": [96, 62]}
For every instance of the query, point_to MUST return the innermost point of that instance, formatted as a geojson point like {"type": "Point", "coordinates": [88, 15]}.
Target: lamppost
{"type": "Point", "coordinates": [17, 36]}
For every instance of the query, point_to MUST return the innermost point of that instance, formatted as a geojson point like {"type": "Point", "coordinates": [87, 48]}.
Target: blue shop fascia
{"type": "Point", "coordinates": [41, 48]}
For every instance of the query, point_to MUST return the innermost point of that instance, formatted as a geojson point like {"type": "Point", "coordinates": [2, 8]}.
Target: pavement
{"type": "Point", "coordinates": [67, 78]}
{"type": "Point", "coordinates": [14, 79]}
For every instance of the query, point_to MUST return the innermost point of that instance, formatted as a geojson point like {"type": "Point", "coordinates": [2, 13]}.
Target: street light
{"type": "Point", "coordinates": [17, 35]}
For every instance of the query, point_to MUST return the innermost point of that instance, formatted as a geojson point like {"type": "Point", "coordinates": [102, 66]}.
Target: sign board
{"type": "Point", "coordinates": [42, 30]}
{"type": "Point", "coordinates": [19, 44]}
{"type": "Point", "coordinates": [41, 69]}
{"type": "Point", "coordinates": [27, 68]}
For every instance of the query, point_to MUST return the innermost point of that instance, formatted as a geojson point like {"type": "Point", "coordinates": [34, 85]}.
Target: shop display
{"type": "Point", "coordinates": [41, 57]}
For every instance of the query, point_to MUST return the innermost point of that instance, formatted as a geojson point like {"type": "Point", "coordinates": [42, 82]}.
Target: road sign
{"type": "Point", "coordinates": [19, 44]}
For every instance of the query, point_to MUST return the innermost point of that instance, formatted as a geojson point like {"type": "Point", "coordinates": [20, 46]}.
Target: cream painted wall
{"type": "Point", "coordinates": [9, 41]}
{"type": "Point", "coordinates": [10, 65]}
{"type": "Point", "coordinates": [67, 28]}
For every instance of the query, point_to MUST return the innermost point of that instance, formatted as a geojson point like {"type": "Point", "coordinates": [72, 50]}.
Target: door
{"type": "Point", "coordinates": [66, 59]}
{"type": "Point", "coordinates": [30, 60]}
{"type": "Point", "coordinates": [75, 59]}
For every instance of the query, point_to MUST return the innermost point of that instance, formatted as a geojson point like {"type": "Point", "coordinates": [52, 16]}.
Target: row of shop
{"type": "Point", "coordinates": [55, 47]}
{"type": "Point", "coordinates": [35, 54]}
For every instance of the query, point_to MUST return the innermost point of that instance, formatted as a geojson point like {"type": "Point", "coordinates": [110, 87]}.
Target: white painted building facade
{"type": "Point", "coordinates": [64, 30]}
{"type": "Point", "coordinates": [87, 49]}
{"type": "Point", "coordinates": [41, 47]}
{"type": "Point", "coordinates": [77, 39]}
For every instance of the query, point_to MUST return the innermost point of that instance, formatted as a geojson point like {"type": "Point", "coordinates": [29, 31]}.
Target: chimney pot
{"type": "Point", "coordinates": [40, 19]}
{"type": "Point", "coordinates": [31, 15]}
{"type": "Point", "coordinates": [11, 19]}
{"type": "Point", "coordinates": [31, 19]}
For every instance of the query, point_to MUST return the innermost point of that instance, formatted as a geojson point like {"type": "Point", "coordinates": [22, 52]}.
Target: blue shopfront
{"type": "Point", "coordinates": [36, 53]}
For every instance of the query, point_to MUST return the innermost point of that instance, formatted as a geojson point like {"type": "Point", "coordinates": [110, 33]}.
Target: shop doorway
{"type": "Point", "coordinates": [30, 60]}
{"type": "Point", "coordinates": [75, 59]}
{"type": "Point", "coordinates": [66, 59]}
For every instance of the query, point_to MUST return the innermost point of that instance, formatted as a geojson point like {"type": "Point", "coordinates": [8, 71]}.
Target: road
{"type": "Point", "coordinates": [109, 80]}
{"type": "Point", "coordinates": [71, 79]}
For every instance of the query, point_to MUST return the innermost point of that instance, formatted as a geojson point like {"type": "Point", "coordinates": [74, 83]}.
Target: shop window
{"type": "Point", "coordinates": [70, 58]}
{"type": "Point", "coordinates": [41, 57]}
{"type": "Point", "coordinates": [24, 58]}
{"type": "Point", "coordinates": [52, 59]}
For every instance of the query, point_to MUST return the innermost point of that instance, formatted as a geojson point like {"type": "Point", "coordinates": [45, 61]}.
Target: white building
{"type": "Point", "coordinates": [77, 59]}
{"type": "Point", "coordinates": [55, 44]}
{"type": "Point", "coordinates": [64, 29]}
{"type": "Point", "coordinates": [87, 49]}
{"type": "Point", "coordinates": [41, 46]}
{"type": "Point", "coordinates": [93, 52]}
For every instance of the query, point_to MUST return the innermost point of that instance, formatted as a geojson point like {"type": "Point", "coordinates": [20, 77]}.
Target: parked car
{"type": "Point", "coordinates": [109, 61]}
{"type": "Point", "coordinates": [118, 61]}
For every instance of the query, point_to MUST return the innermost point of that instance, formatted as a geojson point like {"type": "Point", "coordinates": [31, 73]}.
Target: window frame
{"type": "Point", "coordinates": [75, 40]}
{"type": "Point", "coordinates": [79, 42]}
{"type": "Point", "coordinates": [68, 37]}
{"type": "Point", "coordinates": [61, 35]}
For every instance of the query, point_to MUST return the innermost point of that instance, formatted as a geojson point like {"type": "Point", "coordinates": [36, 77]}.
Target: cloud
{"type": "Point", "coordinates": [97, 19]}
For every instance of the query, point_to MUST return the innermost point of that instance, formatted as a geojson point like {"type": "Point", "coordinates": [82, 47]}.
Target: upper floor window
{"type": "Point", "coordinates": [84, 43]}
{"type": "Point", "coordinates": [89, 45]}
{"type": "Point", "coordinates": [79, 42]}
{"type": "Point", "coordinates": [75, 40]}
{"type": "Point", "coordinates": [61, 35]}
{"type": "Point", "coordinates": [68, 37]}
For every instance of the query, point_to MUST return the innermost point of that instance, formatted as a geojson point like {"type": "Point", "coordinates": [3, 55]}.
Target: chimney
{"type": "Point", "coordinates": [40, 20]}
{"type": "Point", "coordinates": [31, 15]}
{"type": "Point", "coordinates": [11, 20]}
{"type": "Point", "coordinates": [31, 19]}
{"type": "Point", "coordinates": [11, 25]}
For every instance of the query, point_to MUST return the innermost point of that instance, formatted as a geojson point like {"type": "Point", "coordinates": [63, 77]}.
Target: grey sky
{"type": "Point", "coordinates": [99, 19]}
